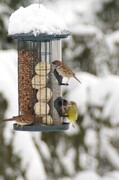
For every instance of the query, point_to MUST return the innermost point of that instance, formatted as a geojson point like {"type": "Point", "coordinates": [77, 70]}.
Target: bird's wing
{"type": "Point", "coordinates": [68, 70]}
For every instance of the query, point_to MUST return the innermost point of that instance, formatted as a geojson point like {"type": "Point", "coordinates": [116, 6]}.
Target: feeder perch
{"type": "Point", "coordinates": [38, 87]}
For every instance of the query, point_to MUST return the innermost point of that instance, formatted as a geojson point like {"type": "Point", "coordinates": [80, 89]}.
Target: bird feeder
{"type": "Point", "coordinates": [38, 88]}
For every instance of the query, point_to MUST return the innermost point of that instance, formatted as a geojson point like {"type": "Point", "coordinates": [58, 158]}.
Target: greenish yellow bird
{"type": "Point", "coordinates": [72, 112]}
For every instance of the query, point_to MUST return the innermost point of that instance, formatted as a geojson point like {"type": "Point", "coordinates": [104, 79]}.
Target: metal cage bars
{"type": "Point", "coordinates": [34, 52]}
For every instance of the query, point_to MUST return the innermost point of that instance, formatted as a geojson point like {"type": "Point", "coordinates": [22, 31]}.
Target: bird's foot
{"type": "Point", "coordinates": [64, 115]}
{"type": "Point", "coordinates": [20, 126]}
{"type": "Point", "coordinates": [64, 84]}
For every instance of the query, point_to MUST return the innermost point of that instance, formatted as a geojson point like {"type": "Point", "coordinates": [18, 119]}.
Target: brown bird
{"type": "Point", "coordinates": [22, 120]}
{"type": "Point", "coordinates": [64, 70]}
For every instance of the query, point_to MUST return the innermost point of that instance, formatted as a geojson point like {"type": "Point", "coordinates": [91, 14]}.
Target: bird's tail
{"type": "Point", "coordinates": [77, 79]}
{"type": "Point", "coordinates": [5, 120]}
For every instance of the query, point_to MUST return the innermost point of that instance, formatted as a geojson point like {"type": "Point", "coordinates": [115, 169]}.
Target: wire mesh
{"type": "Point", "coordinates": [37, 87]}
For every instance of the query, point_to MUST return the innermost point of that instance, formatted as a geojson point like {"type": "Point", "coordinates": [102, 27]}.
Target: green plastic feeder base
{"type": "Point", "coordinates": [41, 127]}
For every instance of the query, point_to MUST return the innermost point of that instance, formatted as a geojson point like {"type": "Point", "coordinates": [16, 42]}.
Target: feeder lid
{"type": "Point", "coordinates": [36, 22]}
{"type": "Point", "coordinates": [40, 37]}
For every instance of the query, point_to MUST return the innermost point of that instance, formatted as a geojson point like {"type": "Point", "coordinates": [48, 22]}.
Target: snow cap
{"type": "Point", "coordinates": [35, 19]}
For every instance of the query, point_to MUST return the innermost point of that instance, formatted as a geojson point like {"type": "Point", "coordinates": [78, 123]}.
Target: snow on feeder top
{"type": "Point", "coordinates": [39, 32]}
{"type": "Point", "coordinates": [35, 22]}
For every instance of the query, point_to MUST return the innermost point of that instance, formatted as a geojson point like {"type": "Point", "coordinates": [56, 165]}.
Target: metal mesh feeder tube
{"type": "Point", "coordinates": [38, 88]}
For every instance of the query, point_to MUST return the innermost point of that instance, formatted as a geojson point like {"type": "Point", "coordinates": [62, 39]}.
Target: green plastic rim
{"type": "Point", "coordinates": [40, 37]}
{"type": "Point", "coordinates": [41, 127]}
